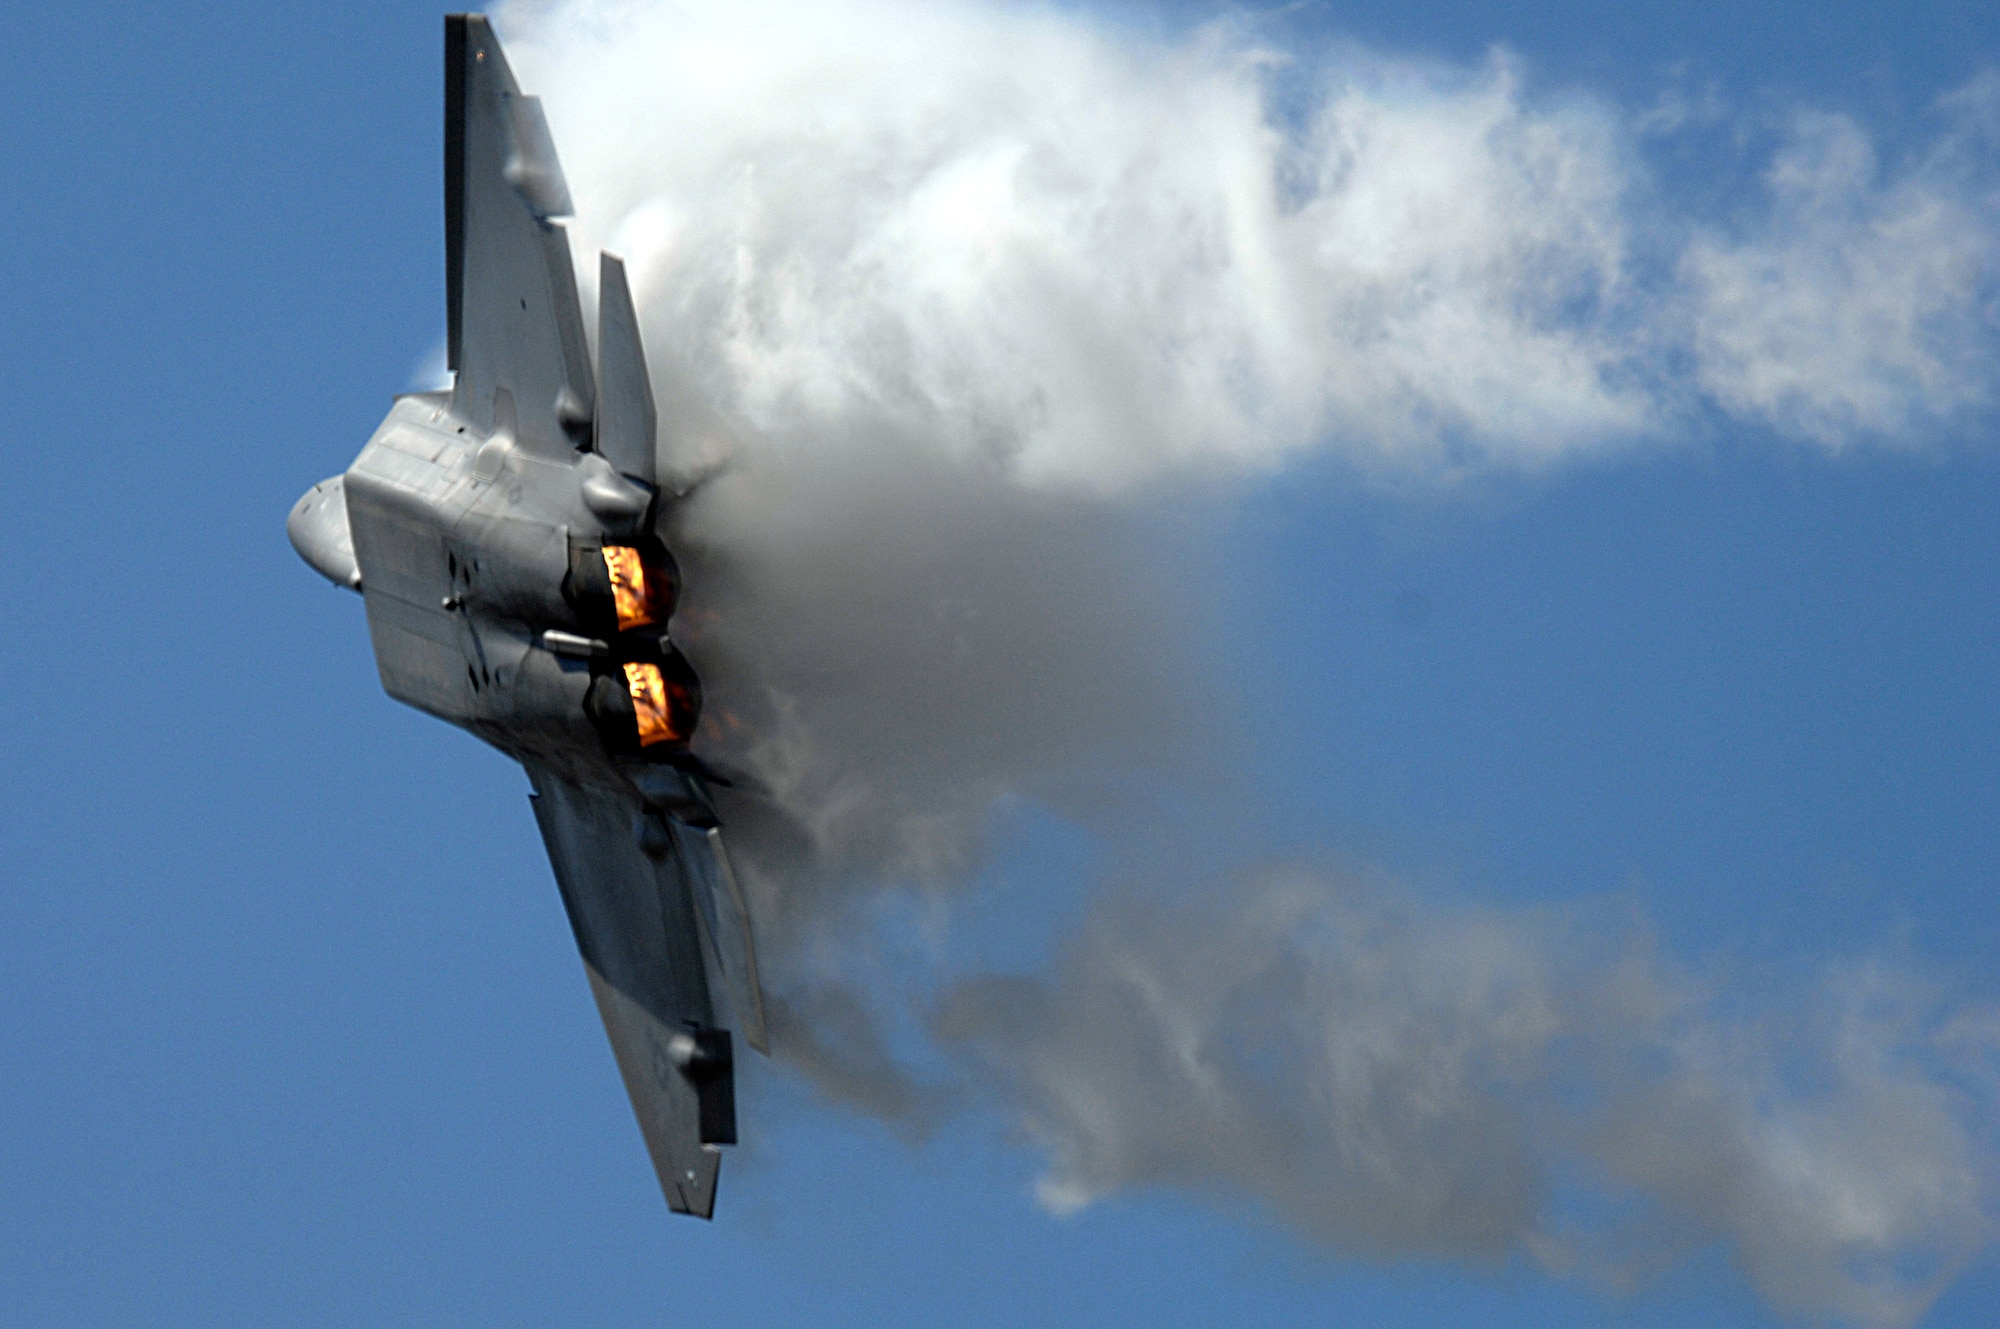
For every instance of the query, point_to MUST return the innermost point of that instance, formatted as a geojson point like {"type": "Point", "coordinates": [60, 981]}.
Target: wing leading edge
{"type": "Point", "coordinates": [516, 336]}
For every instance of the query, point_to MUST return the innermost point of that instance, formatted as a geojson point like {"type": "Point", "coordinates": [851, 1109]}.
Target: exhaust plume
{"type": "Point", "coordinates": [1396, 1079]}
{"type": "Point", "coordinates": [969, 320]}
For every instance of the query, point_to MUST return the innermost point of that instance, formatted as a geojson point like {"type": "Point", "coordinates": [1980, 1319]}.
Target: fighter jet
{"type": "Point", "coordinates": [503, 536]}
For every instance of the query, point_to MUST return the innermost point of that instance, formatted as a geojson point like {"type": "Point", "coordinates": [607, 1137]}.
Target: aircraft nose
{"type": "Point", "coordinates": [318, 530]}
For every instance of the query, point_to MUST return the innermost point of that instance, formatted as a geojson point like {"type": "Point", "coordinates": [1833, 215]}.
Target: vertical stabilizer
{"type": "Point", "coordinates": [626, 422]}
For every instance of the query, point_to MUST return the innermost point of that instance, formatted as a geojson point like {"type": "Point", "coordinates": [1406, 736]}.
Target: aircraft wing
{"type": "Point", "coordinates": [731, 951]}
{"type": "Point", "coordinates": [633, 884]}
{"type": "Point", "coordinates": [516, 336]}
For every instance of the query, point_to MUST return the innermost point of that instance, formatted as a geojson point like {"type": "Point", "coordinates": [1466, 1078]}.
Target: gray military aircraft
{"type": "Point", "coordinates": [502, 535]}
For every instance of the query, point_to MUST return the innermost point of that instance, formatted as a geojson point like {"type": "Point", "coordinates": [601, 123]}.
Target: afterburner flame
{"type": "Point", "coordinates": [651, 705]}
{"type": "Point", "coordinates": [631, 592]}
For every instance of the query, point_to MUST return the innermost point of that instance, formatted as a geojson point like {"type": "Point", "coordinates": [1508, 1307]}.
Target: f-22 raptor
{"type": "Point", "coordinates": [502, 534]}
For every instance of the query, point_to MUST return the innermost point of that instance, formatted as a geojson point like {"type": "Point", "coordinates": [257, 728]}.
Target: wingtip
{"type": "Point", "coordinates": [693, 1192]}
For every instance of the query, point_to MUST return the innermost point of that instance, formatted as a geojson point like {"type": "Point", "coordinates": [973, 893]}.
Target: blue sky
{"type": "Point", "coordinates": [295, 1031]}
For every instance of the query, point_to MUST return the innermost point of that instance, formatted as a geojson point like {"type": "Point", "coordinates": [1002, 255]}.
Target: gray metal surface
{"type": "Point", "coordinates": [718, 899]}
{"type": "Point", "coordinates": [517, 324]}
{"type": "Point", "coordinates": [635, 926]}
{"type": "Point", "coordinates": [501, 534]}
{"type": "Point", "coordinates": [625, 418]}
{"type": "Point", "coordinates": [318, 530]}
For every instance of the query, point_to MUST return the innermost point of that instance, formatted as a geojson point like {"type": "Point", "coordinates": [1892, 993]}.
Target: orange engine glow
{"type": "Point", "coordinates": [630, 592]}
{"type": "Point", "coordinates": [652, 706]}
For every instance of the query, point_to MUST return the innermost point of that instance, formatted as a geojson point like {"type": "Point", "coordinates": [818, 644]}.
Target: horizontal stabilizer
{"type": "Point", "coordinates": [719, 900]}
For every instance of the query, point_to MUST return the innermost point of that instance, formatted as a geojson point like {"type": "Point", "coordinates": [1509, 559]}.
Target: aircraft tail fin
{"type": "Point", "coordinates": [626, 420]}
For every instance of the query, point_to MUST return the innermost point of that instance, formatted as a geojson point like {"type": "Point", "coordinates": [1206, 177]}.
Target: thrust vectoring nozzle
{"type": "Point", "coordinates": [501, 534]}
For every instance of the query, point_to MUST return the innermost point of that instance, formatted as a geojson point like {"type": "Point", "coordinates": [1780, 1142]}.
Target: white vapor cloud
{"type": "Point", "coordinates": [968, 317]}
{"type": "Point", "coordinates": [1097, 257]}
{"type": "Point", "coordinates": [1865, 305]}
{"type": "Point", "coordinates": [1398, 1079]}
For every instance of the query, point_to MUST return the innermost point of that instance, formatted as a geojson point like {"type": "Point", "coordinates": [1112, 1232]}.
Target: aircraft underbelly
{"type": "Point", "coordinates": [395, 492]}
{"type": "Point", "coordinates": [418, 655]}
